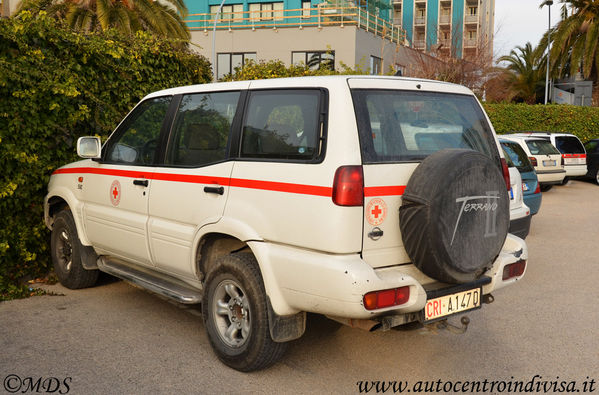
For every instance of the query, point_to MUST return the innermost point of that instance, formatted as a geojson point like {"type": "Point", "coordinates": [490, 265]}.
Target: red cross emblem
{"type": "Point", "coordinates": [115, 193]}
{"type": "Point", "coordinates": [376, 211]}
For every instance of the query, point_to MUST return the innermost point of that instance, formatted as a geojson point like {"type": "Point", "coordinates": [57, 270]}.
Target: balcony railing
{"type": "Point", "coordinates": [471, 19]}
{"type": "Point", "coordinates": [323, 16]}
{"type": "Point", "coordinates": [419, 44]}
{"type": "Point", "coordinates": [444, 19]}
{"type": "Point", "coordinates": [418, 21]}
{"type": "Point", "coordinates": [470, 43]}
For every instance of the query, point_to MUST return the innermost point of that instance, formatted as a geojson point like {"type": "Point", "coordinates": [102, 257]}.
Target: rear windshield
{"type": "Point", "coordinates": [569, 145]}
{"type": "Point", "coordinates": [397, 126]}
{"type": "Point", "coordinates": [541, 147]}
{"type": "Point", "coordinates": [517, 155]}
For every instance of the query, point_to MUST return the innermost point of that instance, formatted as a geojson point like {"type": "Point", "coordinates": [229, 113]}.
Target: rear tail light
{"type": "Point", "coordinates": [538, 188]}
{"type": "Point", "coordinates": [506, 173]}
{"type": "Point", "coordinates": [514, 269]}
{"type": "Point", "coordinates": [386, 298]}
{"type": "Point", "coordinates": [533, 160]}
{"type": "Point", "coordinates": [348, 186]}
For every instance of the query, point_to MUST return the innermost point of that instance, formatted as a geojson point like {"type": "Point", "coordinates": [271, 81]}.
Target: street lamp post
{"type": "Point", "coordinates": [220, 7]}
{"type": "Point", "coordinates": [548, 3]}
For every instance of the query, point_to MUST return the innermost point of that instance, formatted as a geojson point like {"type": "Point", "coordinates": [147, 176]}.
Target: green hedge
{"type": "Point", "coordinates": [581, 121]}
{"type": "Point", "coordinates": [55, 86]}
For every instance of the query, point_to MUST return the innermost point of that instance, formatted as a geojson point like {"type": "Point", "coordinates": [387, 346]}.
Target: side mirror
{"type": "Point", "coordinates": [89, 147]}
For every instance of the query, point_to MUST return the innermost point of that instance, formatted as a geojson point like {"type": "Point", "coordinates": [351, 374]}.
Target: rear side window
{"type": "Point", "coordinates": [201, 129]}
{"type": "Point", "coordinates": [282, 124]}
{"type": "Point", "coordinates": [541, 147]}
{"type": "Point", "coordinates": [408, 126]}
{"type": "Point", "coordinates": [517, 155]}
{"type": "Point", "coordinates": [569, 145]}
{"type": "Point", "coordinates": [591, 146]}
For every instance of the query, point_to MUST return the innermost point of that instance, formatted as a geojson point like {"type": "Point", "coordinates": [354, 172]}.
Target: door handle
{"type": "Point", "coordinates": [143, 183]}
{"type": "Point", "coordinates": [217, 190]}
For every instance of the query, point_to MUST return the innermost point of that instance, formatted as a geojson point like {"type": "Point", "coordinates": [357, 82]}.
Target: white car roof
{"type": "Point", "coordinates": [354, 81]}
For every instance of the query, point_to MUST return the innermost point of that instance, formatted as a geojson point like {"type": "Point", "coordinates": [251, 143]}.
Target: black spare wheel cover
{"type": "Point", "coordinates": [454, 216]}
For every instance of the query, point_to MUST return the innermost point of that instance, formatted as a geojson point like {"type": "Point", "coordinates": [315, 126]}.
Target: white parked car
{"type": "Point", "coordinates": [376, 201]}
{"type": "Point", "coordinates": [545, 158]}
{"type": "Point", "coordinates": [519, 212]}
{"type": "Point", "coordinates": [571, 148]}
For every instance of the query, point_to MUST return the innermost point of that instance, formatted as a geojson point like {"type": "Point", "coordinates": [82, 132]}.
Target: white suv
{"type": "Point", "coordinates": [375, 201]}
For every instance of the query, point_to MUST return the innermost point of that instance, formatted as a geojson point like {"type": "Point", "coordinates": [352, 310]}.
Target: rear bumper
{"type": "Point", "coordinates": [303, 280]}
{"type": "Point", "coordinates": [575, 170]}
{"type": "Point", "coordinates": [533, 201]}
{"type": "Point", "coordinates": [521, 226]}
{"type": "Point", "coordinates": [551, 177]}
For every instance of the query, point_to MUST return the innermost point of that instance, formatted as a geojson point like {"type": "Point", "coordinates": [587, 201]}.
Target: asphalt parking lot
{"type": "Point", "coordinates": [115, 338]}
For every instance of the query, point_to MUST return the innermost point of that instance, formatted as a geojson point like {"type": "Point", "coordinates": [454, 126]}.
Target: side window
{"type": "Point", "coordinates": [137, 144]}
{"type": "Point", "coordinates": [282, 125]}
{"type": "Point", "coordinates": [202, 127]}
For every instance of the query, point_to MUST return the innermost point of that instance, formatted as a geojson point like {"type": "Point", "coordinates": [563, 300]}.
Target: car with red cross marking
{"type": "Point", "coordinates": [374, 201]}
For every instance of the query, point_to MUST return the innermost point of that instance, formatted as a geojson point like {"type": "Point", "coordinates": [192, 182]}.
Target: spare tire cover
{"type": "Point", "coordinates": [454, 216]}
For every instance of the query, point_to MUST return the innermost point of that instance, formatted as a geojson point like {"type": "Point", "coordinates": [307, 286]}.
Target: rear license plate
{"type": "Point", "coordinates": [549, 163]}
{"type": "Point", "coordinates": [447, 305]}
{"type": "Point", "coordinates": [525, 187]}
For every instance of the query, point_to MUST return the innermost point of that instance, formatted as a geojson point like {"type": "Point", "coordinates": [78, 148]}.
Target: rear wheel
{"type": "Point", "coordinates": [66, 254]}
{"type": "Point", "coordinates": [545, 188]}
{"type": "Point", "coordinates": [236, 314]}
{"type": "Point", "coordinates": [565, 181]}
{"type": "Point", "coordinates": [597, 176]}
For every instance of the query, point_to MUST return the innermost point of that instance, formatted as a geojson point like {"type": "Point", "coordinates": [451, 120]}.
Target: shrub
{"type": "Point", "coordinates": [55, 86]}
{"type": "Point", "coordinates": [277, 69]}
{"type": "Point", "coordinates": [581, 121]}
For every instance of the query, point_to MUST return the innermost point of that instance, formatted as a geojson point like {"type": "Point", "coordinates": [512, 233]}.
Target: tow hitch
{"type": "Point", "coordinates": [445, 324]}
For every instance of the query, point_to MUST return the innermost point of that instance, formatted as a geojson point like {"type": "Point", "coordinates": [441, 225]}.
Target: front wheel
{"type": "Point", "coordinates": [545, 188]}
{"type": "Point", "coordinates": [66, 254]}
{"type": "Point", "coordinates": [235, 314]}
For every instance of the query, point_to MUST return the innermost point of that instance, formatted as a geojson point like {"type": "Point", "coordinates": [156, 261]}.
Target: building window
{"type": "Point", "coordinates": [376, 65]}
{"type": "Point", "coordinates": [264, 11]}
{"type": "Point", "coordinates": [227, 62]}
{"type": "Point", "coordinates": [306, 5]}
{"type": "Point", "coordinates": [228, 12]}
{"type": "Point", "coordinates": [314, 59]}
{"type": "Point", "coordinates": [473, 10]}
{"type": "Point", "coordinates": [472, 34]}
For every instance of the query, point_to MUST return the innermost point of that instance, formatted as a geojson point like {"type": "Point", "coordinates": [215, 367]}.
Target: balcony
{"type": "Point", "coordinates": [419, 21]}
{"type": "Point", "coordinates": [419, 44]}
{"type": "Point", "coordinates": [470, 43]}
{"type": "Point", "coordinates": [471, 19]}
{"type": "Point", "coordinates": [444, 19]}
{"type": "Point", "coordinates": [325, 15]}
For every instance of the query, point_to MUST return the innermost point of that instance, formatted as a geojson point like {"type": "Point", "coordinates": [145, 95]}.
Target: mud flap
{"type": "Point", "coordinates": [285, 328]}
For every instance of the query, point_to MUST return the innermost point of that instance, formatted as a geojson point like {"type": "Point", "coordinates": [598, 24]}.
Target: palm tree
{"type": "Point", "coordinates": [525, 72]}
{"type": "Point", "coordinates": [162, 18]}
{"type": "Point", "coordinates": [575, 39]}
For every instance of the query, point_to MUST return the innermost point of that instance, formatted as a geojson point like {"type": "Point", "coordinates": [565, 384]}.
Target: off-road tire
{"type": "Point", "coordinates": [65, 249]}
{"type": "Point", "coordinates": [235, 284]}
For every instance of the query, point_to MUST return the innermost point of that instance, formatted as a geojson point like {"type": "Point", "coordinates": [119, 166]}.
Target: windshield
{"type": "Point", "coordinates": [569, 145]}
{"type": "Point", "coordinates": [541, 147]}
{"type": "Point", "coordinates": [517, 155]}
{"type": "Point", "coordinates": [397, 126]}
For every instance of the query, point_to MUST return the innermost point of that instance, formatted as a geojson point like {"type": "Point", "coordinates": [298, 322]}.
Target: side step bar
{"type": "Point", "coordinates": [161, 284]}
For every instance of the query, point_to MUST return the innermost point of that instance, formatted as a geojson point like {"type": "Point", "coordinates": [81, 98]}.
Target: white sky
{"type": "Point", "coordinates": [520, 21]}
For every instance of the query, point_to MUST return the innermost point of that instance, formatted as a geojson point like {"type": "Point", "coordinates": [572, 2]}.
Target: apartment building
{"type": "Point", "coordinates": [313, 32]}
{"type": "Point", "coordinates": [460, 28]}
